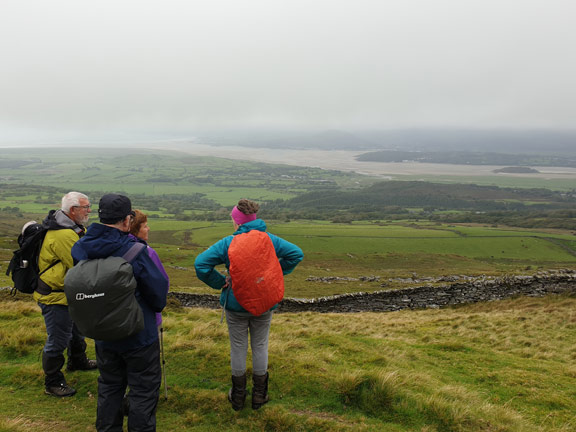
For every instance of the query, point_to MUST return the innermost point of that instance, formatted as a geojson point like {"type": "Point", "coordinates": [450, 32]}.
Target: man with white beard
{"type": "Point", "coordinates": [65, 227]}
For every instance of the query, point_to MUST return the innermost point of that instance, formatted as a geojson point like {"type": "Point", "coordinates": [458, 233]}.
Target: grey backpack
{"type": "Point", "coordinates": [101, 300]}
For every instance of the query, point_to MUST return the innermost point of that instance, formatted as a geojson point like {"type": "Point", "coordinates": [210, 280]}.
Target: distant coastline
{"type": "Point", "coordinates": [340, 160]}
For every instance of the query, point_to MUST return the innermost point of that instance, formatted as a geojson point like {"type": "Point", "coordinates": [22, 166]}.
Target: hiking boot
{"type": "Point", "coordinates": [60, 390]}
{"type": "Point", "coordinates": [260, 390]}
{"type": "Point", "coordinates": [86, 364]}
{"type": "Point", "coordinates": [237, 394]}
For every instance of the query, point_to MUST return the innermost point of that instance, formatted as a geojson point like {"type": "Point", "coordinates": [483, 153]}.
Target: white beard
{"type": "Point", "coordinates": [84, 220]}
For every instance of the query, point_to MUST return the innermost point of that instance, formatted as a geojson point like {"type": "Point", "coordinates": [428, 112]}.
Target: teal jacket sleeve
{"type": "Point", "coordinates": [205, 262]}
{"type": "Point", "coordinates": [288, 253]}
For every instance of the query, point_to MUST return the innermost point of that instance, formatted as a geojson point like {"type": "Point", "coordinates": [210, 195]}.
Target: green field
{"type": "Point", "coordinates": [149, 172]}
{"type": "Point", "coordinates": [389, 251]}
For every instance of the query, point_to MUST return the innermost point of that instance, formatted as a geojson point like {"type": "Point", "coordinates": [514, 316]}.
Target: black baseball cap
{"type": "Point", "coordinates": [113, 208]}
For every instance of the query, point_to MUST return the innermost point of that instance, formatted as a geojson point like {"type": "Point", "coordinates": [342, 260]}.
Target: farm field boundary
{"type": "Point", "coordinates": [473, 290]}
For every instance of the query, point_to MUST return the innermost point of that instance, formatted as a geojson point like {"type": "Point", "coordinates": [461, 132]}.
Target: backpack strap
{"type": "Point", "coordinates": [133, 252]}
{"type": "Point", "coordinates": [48, 268]}
{"type": "Point", "coordinates": [11, 266]}
{"type": "Point", "coordinates": [79, 230]}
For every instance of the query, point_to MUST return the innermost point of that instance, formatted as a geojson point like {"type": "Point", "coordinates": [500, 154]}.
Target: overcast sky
{"type": "Point", "coordinates": [123, 66]}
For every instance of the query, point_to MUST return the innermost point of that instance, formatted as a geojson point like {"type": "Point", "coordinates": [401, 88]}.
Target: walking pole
{"type": "Point", "coordinates": [163, 362]}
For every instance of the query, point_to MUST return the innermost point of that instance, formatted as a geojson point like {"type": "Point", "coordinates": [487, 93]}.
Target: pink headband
{"type": "Point", "coordinates": [241, 218]}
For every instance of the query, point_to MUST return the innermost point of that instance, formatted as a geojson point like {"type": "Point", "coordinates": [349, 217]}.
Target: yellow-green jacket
{"type": "Point", "coordinates": [60, 238]}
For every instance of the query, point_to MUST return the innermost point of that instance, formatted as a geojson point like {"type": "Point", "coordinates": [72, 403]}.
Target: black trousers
{"type": "Point", "coordinates": [140, 370]}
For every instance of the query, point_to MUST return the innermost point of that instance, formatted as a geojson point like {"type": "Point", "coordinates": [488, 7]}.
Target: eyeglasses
{"type": "Point", "coordinates": [84, 206]}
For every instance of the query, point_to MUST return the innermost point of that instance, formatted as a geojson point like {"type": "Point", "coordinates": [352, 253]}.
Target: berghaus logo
{"type": "Point", "coordinates": [82, 296]}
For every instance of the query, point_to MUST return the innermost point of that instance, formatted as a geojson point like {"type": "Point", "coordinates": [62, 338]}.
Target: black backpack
{"type": "Point", "coordinates": [24, 262]}
{"type": "Point", "coordinates": [101, 296]}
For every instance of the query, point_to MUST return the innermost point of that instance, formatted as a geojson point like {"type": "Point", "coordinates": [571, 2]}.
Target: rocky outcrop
{"type": "Point", "coordinates": [465, 290]}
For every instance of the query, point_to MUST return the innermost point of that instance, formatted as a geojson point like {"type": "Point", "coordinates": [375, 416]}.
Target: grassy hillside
{"type": "Point", "coordinates": [501, 366]}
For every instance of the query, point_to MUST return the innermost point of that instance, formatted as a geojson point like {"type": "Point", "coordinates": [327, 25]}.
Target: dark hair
{"type": "Point", "coordinates": [248, 207]}
{"type": "Point", "coordinates": [139, 219]}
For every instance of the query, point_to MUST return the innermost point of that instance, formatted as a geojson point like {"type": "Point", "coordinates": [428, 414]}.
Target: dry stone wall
{"type": "Point", "coordinates": [472, 290]}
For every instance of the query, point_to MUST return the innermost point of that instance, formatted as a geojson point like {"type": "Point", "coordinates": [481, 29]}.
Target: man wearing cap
{"type": "Point", "coordinates": [135, 360]}
{"type": "Point", "coordinates": [65, 227]}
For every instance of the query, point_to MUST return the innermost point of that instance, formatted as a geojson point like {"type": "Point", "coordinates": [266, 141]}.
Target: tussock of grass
{"type": "Point", "coordinates": [374, 393]}
{"type": "Point", "coordinates": [19, 342]}
{"type": "Point", "coordinates": [391, 397]}
{"type": "Point", "coordinates": [454, 408]}
{"type": "Point", "coordinates": [201, 401]}
{"type": "Point", "coordinates": [200, 335]}
{"type": "Point", "coordinates": [21, 329]}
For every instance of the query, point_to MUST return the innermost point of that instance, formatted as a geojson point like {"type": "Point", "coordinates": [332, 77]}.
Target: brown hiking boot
{"type": "Point", "coordinates": [237, 394]}
{"type": "Point", "coordinates": [260, 390]}
{"type": "Point", "coordinates": [60, 390]}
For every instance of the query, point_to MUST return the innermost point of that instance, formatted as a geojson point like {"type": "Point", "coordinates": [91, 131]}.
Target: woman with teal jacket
{"type": "Point", "coordinates": [240, 321]}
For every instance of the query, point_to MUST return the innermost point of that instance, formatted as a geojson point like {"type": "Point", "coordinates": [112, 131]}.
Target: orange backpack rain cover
{"type": "Point", "coordinates": [257, 279]}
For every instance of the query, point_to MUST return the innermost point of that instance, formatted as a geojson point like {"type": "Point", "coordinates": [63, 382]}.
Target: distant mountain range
{"type": "Point", "coordinates": [558, 142]}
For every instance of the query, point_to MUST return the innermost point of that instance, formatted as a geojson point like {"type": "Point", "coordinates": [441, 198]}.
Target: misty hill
{"type": "Point", "coordinates": [516, 141]}
{"type": "Point", "coordinates": [325, 140]}
{"type": "Point", "coordinates": [467, 158]}
{"type": "Point", "coordinates": [554, 142]}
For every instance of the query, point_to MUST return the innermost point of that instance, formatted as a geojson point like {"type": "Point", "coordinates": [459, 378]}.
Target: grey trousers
{"type": "Point", "coordinates": [239, 326]}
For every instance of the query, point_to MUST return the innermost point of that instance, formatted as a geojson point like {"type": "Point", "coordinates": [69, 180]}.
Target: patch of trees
{"type": "Point", "coordinates": [558, 219]}
{"type": "Point", "coordinates": [517, 170]}
{"type": "Point", "coordinates": [176, 204]}
{"type": "Point", "coordinates": [20, 190]}
{"type": "Point", "coordinates": [439, 202]}
{"type": "Point", "coordinates": [423, 194]}
{"type": "Point", "coordinates": [9, 209]}
{"type": "Point", "coordinates": [162, 180]}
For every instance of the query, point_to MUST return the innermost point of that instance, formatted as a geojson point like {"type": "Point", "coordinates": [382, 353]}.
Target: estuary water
{"type": "Point", "coordinates": [345, 160]}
